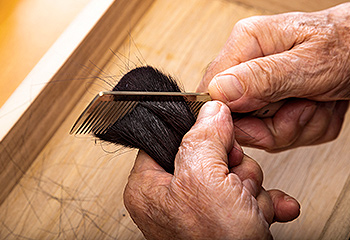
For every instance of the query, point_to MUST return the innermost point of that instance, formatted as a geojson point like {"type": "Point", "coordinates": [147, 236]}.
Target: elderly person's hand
{"type": "Point", "coordinates": [215, 192]}
{"type": "Point", "coordinates": [292, 55]}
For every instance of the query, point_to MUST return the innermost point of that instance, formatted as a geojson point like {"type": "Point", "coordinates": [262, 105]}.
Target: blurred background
{"type": "Point", "coordinates": [27, 30]}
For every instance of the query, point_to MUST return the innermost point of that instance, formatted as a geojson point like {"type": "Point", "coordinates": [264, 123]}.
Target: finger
{"type": "Point", "coordinates": [316, 127]}
{"type": "Point", "coordinates": [335, 124]}
{"type": "Point", "coordinates": [251, 175]}
{"type": "Point", "coordinates": [266, 206]}
{"type": "Point", "coordinates": [253, 84]}
{"type": "Point", "coordinates": [286, 208]}
{"type": "Point", "coordinates": [236, 155]}
{"type": "Point", "coordinates": [297, 123]}
{"type": "Point", "coordinates": [288, 124]}
{"type": "Point", "coordinates": [278, 132]}
{"type": "Point", "coordinates": [204, 149]}
{"type": "Point", "coordinates": [324, 126]}
{"type": "Point", "coordinates": [251, 38]}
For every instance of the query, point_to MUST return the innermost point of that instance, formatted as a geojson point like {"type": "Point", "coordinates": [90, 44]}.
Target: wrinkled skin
{"type": "Point", "coordinates": [269, 58]}
{"type": "Point", "coordinates": [215, 192]}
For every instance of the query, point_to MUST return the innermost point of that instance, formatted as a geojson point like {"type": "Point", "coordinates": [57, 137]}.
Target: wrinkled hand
{"type": "Point", "coordinates": [269, 58]}
{"type": "Point", "coordinates": [214, 193]}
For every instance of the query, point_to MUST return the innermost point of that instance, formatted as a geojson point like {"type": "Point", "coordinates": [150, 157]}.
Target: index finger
{"type": "Point", "coordinates": [252, 38]}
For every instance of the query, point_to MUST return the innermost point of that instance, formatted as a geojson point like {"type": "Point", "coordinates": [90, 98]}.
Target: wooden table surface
{"type": "Point", "coordinates": [73, 189]}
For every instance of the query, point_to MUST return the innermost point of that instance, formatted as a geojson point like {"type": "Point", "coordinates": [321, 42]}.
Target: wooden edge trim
{"type": "Point", "coordinates": [57, 97]}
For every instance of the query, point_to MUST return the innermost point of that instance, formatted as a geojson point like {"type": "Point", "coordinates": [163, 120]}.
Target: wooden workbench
{"type": "Point", "coordinates": [57, 186]}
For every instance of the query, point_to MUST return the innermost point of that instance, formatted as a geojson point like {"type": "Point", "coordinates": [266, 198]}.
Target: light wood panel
{"type": "Point", "coordinates": [73, 188]}
{"type": "Point", "coordinates": [27, 30]}
{"type": "Point", "coordinates": [338, 224]}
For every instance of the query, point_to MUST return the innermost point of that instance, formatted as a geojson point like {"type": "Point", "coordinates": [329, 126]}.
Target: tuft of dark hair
{"type": "Point", "coordinates": [155, 127]}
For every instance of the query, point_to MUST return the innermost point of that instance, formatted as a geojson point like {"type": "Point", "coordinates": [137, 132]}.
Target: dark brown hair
{"type": "Point", "coordinates": [155, 127]}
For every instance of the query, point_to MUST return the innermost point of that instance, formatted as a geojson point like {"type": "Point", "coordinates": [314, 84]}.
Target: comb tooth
{"type": "Point", "coordinates": [131, 105]}
{"type": "Point", "coordinates": [195, 107]}
{"type": "Point", "coordinates": [89, 117]}
{"type": "Point", "coordinates": [81, 121]}
{"type": "Point", "coordinates": [106, 119]}
{"type": "Point", "coordinates": [107, 106]}
{"type": "Point", "coordinates": [199, 107]}
{"type": "Point", "coordinates": [83, 118]}
{"type": "Point", "coordinates": [122, 108]}
{"type": "Point", "coordinates": [103, 118]}
{"type": "Point", "coordinates": [95, 117]}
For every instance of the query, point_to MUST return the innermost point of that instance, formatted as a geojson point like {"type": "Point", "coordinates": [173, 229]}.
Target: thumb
{"type": "Point", "coordinates": [204, 149]}
{"type": "Point", "coordinates": [253, 84]}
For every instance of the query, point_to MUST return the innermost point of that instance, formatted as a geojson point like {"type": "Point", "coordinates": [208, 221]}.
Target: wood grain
{"type": "Point", "coordinates": [73, 187]}
{"type": "Point", "coordinates": [338, 224]}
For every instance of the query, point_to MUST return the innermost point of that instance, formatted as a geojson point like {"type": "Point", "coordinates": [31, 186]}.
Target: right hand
{"type": "Point", "coordinates": [270, 58]}
{"type": "Point", "coordinates": [215, 192]}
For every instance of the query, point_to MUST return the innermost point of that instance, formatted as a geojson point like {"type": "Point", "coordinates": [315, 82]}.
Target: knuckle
{"type": "Point", "coordinates": [262, 79]}
{"type": "Point", "coordinates": [132, 200]}
{"type": "Point", "coordinates": [141, 188]}
{"type": "Point", "coordinates": [250, 24]}
{"type": "Point", "coordinates": [286, 139]}
{"type": "Point", "coordinates": [268, 78]}
{"type": "Point", "coordinates": [191, 144]}
{"type": "Point", "coordinates": [281, 135]}
{"type": "Point", "coordinates": [193, 136]}
{"type": "Point", "coordinates": [263, 140]}
{"type": "Point", "coordinates": [279, 143]}
{"type": "Point", "coordinates": [255, 171]}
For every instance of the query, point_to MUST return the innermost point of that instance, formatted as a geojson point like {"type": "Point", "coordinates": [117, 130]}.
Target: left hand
{"type": "Point", "coordinates": [270, 58]}
{"type": "Point", "coordinates": [215, 192]}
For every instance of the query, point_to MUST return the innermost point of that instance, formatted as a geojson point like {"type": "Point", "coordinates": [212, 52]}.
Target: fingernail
{"type": "Point", "coordinates": [292, 200]}
{"type": "Point", "coordinates": [209, 109]}
{"type": "Point", "coordinates": [289, 198]}
{"type": "Point", "coordinates": [307, 114]}
{"type": "Point", "coordinates": [226, 87]}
